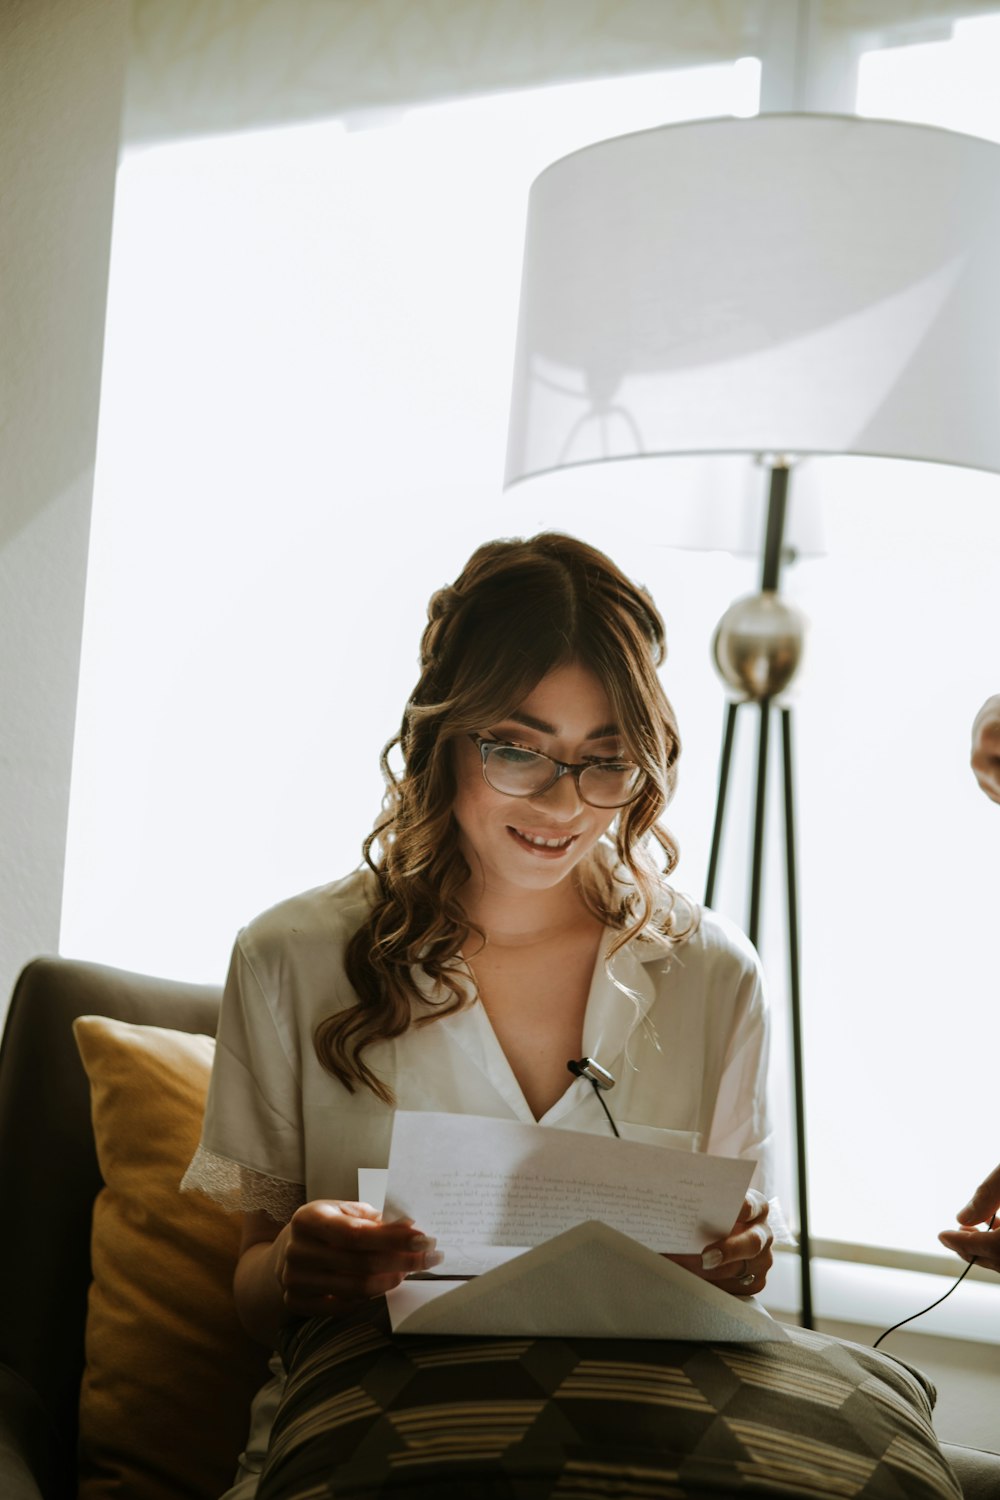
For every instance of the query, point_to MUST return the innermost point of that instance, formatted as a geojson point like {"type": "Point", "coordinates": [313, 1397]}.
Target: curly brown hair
{"type": "Point", "coordinates": [518, 610]}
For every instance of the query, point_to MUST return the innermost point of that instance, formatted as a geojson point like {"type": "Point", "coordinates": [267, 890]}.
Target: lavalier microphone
{"type": "Point", "coordinates": [589, 1067]}
{"type": "Point", "coordinates": [599, 1078]}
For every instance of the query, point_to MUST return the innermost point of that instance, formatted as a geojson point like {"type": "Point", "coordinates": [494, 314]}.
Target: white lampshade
{"type": "Point", "coordinates": [790, 284]}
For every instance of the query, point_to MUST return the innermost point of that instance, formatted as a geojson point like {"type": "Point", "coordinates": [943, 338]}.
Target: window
{"type": "Point", "coordinates": [899, 853]}
{"type": "Point", "coordinates": [310, 337]}
{"type": "Point", "coordinates": [309, 346]}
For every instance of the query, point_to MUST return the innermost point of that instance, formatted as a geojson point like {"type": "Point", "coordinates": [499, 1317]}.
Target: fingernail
{"type": "Point", "coordinates": [433, 1259]}
{"type": "Point", "coordinates": [422, 1242]}
{"type": "Point", "coordinates": [711, 1259]}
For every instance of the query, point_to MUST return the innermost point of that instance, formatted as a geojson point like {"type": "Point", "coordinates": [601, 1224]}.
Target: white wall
{"type": "Point", "coordinates": [62, 65]}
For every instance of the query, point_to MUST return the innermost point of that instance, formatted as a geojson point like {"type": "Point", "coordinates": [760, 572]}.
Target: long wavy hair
{"type": "Point", "coordinates": [518, 610]}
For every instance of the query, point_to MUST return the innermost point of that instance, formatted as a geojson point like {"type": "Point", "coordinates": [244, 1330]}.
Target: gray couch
{"type": "Point", "coordinates": [48, 1181]}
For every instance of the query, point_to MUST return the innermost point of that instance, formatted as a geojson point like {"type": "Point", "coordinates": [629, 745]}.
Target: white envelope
{"type": "Point", "coordinates": [590, 1281]}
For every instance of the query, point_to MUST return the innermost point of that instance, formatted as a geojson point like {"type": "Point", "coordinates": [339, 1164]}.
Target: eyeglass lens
{"type": "Point", "coordinates": [519, 773]}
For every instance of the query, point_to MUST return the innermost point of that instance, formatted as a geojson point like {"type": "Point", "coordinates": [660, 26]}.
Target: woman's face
{"type": "Point", "coordinates": [532, 843]}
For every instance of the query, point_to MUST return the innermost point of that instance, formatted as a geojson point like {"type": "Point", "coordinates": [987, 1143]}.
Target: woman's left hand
{"type": "Point", "coordinates": [739, 1263]}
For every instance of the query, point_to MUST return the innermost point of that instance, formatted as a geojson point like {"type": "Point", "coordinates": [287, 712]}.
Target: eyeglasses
{"type": "Point", "coordinates": [527, 773]}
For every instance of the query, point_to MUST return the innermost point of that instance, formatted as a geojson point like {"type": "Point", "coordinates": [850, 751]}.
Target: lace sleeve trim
{"type": "Point", "coordinates": [239, 1189]}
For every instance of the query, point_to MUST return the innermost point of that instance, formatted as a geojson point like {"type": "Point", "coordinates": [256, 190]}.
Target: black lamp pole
{"type": "Point", "coordinates": [757, 649]}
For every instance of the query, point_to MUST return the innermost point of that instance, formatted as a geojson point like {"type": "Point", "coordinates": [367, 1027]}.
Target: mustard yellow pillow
{"type": "Point", "coordinates": [170, 1372]}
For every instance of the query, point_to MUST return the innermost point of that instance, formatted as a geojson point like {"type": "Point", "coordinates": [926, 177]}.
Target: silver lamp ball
{"type": "Point", "coordinates": [757, 645]}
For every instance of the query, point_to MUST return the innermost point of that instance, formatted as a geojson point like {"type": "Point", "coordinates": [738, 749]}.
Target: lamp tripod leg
{"type": "Point", "coordinates": [759, 819]}
{"type": "Point", "coordinates": [805, 1253]}
{"type": "Point", "coordinates": [720, 801]}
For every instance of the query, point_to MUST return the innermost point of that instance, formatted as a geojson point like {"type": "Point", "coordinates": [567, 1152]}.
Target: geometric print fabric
{"type": "Point", "coordinates": [367, 1413]}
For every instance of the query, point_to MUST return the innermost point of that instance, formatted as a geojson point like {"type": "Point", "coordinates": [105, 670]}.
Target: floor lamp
{"type": "Point", "coordinates": [777, 287]}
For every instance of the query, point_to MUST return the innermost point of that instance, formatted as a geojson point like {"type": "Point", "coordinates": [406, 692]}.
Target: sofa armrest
{"type": "Point", "coordinates": [976, 1469]}
{"type": "Point", "coordinates": [29, 1465]}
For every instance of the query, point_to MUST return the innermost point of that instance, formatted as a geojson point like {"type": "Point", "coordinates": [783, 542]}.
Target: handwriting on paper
{"type": "Point", "coordinates": [532, 1206]}
{"type": "Point", "coordinates": [499, 1182]}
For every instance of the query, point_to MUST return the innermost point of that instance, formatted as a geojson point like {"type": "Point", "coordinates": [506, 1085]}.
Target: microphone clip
{"type": "Point", "coordinates": [588, 1067]}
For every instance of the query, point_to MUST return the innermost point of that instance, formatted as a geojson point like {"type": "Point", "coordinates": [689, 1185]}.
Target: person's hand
{"type": "Point", "coordinates": [335, 1255]}
{"type": "Point", "coordinates": [982, 1245]}
{"type": "Point", "coordinates": [739, 1263]}
{"type": "Point", "coordinates": [986, 747]}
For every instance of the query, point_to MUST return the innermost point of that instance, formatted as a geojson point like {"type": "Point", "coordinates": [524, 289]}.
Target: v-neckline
{"type": "Point", "coordinates": [474, 1031]}
{"type": "Point", "coordinates": [613, 1010]}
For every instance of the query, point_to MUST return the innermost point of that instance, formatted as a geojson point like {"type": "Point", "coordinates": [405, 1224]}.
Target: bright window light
{"type": "Point", "coordinates": [948, 83]}
{"type": "Point", "coordinates": [304, 406]}
{"type": "Point", "coordinates": [899, 850]}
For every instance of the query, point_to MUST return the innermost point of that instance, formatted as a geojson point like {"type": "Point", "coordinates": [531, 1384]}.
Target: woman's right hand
{"type": "Point", "coordinates": [332, 1255]}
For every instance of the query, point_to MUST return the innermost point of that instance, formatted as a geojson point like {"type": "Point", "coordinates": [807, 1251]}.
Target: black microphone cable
{"type": "Point", "coordinates": [903, 1321]}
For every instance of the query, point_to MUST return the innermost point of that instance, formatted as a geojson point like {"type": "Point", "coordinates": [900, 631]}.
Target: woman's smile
{"type": "Point", "coordinates": [546, 845]}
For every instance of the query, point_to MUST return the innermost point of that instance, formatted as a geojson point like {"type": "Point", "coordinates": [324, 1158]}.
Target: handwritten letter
{"type": "Point", "coordinates": [475, 1182]}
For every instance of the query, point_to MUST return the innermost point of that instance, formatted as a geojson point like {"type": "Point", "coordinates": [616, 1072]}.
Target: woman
{"type": "Point", "coordinates": [510, 918]}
